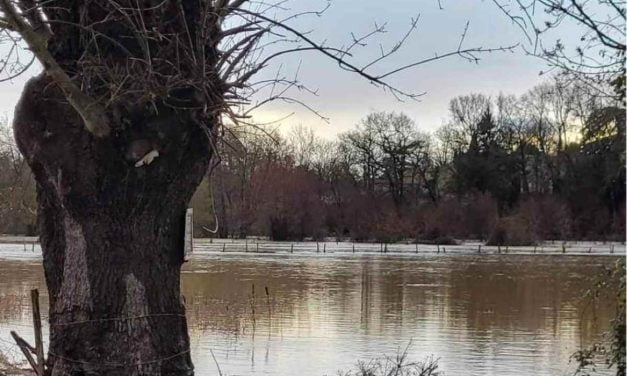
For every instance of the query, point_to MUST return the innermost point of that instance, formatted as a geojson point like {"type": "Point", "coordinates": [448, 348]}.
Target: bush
{"type": "Point", "coordinates": [514, 231]}
{"type": "Point", "coordinates": [395, 366]}
{"type": "Point", "coordinates": [548, 216]}
{"type": "Point", "coordinates": [435, 236]}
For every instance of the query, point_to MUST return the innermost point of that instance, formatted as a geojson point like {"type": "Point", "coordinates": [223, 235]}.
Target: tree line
{"type": "Point", "coordinates": [548, 164]}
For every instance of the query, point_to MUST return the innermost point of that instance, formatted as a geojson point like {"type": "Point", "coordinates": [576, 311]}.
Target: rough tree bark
{"type": "Point", "coordinates": [112, 234]}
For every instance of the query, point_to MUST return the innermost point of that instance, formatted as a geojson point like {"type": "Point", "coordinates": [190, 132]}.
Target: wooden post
{"type": "Point", "coordinates": [257, 246]}
{"type": "Point", "coordinates": [189, 233]}
{"type": "Point", "coordinates": [26, 350]}
{"type": "Point", "coordinates": [325, 248]}
{"type": "Point", "coordinates": [416, 247]}
{"type": "Point", "coordinates": [479, 249]}
{"type": "Point", "coordinates": [353, 247]}
{"type": "Point", "coordinates": [246, 244]}
{"type": "Point", "coordinates": [223, 247]}
{"type": "Point", "coordinates": [317, 247]}
{"type": "Point", "coordinates": [292, 248]}
{"type": "Point", "coordinates": [39, 344]}
{"type": "Point", "coordinates": [498, 247]}
{"type": "Point", "coordinates": [438, 248]}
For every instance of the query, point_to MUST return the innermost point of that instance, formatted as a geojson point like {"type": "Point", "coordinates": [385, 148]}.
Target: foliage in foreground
{"type": "Point", "coordinates": [612, 349]}
{"type": "Point", "coordinates": [395, 366]}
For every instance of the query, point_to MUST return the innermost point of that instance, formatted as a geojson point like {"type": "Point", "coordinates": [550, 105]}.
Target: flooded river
{"type": "Point", "coordinates": [312, 315]}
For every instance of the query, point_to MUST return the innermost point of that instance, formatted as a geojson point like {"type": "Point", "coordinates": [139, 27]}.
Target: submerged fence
{"type": "Point", "coordinates": [28, 247]}
{"type": "Point", "coordinates": [205, 246]}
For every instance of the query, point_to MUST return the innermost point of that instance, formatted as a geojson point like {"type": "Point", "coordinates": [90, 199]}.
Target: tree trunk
{"type": "Point", "coordinates": [112, 234]}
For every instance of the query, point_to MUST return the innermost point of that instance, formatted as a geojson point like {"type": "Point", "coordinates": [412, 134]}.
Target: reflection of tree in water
{"type": "Point", "coordinates": [528, 296]}
{"type": "Point", "coordinates": [219, 295]}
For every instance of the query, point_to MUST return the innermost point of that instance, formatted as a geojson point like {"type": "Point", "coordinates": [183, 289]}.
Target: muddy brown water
{"type": "Point", "coordinates": [315, 315]}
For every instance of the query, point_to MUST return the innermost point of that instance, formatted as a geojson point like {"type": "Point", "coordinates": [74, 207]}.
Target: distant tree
{"type": "Point", "coordinates": [303, 142]}
{"type": "Point", "coordinates": [387, 144]}
{"type": "Point", "coordinates": [466, 112]}
{"type": "Point", "coordinates": [17, 187]}
{"type": "Point", "coordinates": [486, 166]}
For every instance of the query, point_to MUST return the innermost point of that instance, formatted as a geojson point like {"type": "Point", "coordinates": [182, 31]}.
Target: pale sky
{"type": "Point", "coordinates": [346, 98]}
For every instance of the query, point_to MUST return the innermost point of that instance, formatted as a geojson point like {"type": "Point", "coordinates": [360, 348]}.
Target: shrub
{"type": "Point", "coordinates": [514, 231]}
{"type": "Point", "coordinates": [549, 217]}
{"type": "Point", "coordinates": [395, 366]}
{"type": "Point", "coordinates": [434, 236]}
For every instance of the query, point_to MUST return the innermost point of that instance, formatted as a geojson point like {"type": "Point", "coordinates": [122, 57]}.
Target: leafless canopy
{"type": "Point", "coordinates": [110, 54]}
{"type": "Point", "coordinates": [599, 56]}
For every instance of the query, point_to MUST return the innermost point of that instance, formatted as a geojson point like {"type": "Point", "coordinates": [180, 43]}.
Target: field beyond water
{"type": "Point", "coordinates": [318, 308]}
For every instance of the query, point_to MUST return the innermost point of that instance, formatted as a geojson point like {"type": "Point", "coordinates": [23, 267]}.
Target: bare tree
{"type": "Point", "coordinates": [466, 112]}
{"type": "Point", "coordinates": [17, 188]}
{"type": "Point", "coordinates": [119, 130]}
{"type": "Point", "coordinates": [387, 145]}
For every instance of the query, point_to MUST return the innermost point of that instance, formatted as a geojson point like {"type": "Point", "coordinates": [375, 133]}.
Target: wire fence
{"type": "Point", "coordinates": [208, 246]}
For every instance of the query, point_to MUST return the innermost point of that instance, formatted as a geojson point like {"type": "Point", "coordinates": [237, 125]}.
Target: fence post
{"type": "Point", "coordinates": [39, 344]}
{"type": "Point", "coordinates": [189, 233]}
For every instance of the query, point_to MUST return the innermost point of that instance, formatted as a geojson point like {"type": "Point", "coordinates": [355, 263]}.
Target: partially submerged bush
{"type": "Point", "coordinates": [512, 231]}
{"type": "Point", "coordinates": [435, 236]}
{"type": "Point", "coordinates": [395, 366]}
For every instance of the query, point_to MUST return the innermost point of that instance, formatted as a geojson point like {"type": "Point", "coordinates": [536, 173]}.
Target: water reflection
{"type": "Point", "coordinates": [275, 315]}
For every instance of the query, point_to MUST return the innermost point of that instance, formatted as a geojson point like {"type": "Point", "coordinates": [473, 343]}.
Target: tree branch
{"type": "Point", "coordinates": [92, 113]}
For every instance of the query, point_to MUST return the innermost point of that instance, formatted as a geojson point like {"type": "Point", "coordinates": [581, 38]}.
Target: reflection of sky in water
{"type": "Point", "coordinates": [488, 315]}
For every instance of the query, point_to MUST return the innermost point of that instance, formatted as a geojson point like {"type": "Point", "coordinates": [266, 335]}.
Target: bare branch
{"type": "Point", "coordinates": [93, 114]}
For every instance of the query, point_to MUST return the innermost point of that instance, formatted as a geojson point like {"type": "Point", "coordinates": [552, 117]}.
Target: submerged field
{"type": "Point", "coordinates": [296, 307]}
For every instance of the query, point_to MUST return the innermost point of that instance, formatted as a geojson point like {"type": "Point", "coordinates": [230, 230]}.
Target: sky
{"type": "Point", "coordinates": [345, 98]}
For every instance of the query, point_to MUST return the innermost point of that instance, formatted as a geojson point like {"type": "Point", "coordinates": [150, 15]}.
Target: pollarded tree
{"type": "Point", "coordinates": [119, 130]}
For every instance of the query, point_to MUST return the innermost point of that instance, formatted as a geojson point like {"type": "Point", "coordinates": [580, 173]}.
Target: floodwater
{"type": "Point", "coordinates": [287, 314]}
